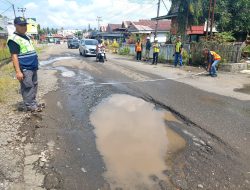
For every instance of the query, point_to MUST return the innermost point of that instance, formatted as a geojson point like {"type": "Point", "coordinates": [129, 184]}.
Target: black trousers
{"type": "Point", "coordinates": [155, 58]}
{"type": "Point", "coordinates": [138, 55]}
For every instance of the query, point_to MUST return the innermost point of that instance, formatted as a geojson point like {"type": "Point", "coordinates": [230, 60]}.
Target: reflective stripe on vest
{"type": "Point", "coordinates": [27, 57]}
{"type": "Point", "coordinates": [138, 46]}
{"type": "Point", "coordinates": [215, 55]}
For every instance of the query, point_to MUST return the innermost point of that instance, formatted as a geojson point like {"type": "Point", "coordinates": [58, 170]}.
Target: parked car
{"type": "Point", "coordinates": [58, 42]}
{"type": "Point", "coordinates": [73, 43]}
{"type": "Point", "coordinates": [88, 47]}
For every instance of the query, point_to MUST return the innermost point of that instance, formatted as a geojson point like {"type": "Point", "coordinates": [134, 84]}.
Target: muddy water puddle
{"type": "Point", "coordinates": [134, 141]}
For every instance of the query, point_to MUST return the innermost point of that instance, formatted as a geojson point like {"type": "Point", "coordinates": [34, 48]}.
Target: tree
{"type": "Point", "coordinates": [230, 15]}
{"type": "Point", "coordinates": [79, 34]}
{"type": "Point", "coordinates": [189, 12]}
{"type": "Point", "coordinates": [233, 16]}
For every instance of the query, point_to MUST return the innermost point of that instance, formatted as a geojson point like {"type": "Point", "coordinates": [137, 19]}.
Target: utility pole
{"type": "Point", "coordinates": [13, 7]}
{"type": "Point", "coordinates": [212, 20]}
{"type": "Point", "coordinates": [208, 19]}
{"type": "Point", "coordinates": [22, 10]}
{"type": "Point", "coordinates": [99, 19]}
{"type": "Point", "coordinates": [157, 18]}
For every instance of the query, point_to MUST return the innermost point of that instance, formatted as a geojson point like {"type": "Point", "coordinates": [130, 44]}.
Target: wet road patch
{"type": "Point", "coordinates": [131, 136]}
{"type": "Point", "coordinates": [245, 89]}
{"type": "Point", "coordinates": [50, 61]}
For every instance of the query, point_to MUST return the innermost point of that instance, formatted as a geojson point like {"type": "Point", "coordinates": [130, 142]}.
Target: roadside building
{"type": "Point", "coordinates": [3, 28]}
{"type": "Point", "coordinates": [148, 27]}
{"type": "Point", "coordinates": [111, 32]}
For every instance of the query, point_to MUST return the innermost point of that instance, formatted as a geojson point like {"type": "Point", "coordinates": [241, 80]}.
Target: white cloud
{"type": "Point", "coordinates": [31, 5]}
{"type": "Point", "coordinates": [78, 14]}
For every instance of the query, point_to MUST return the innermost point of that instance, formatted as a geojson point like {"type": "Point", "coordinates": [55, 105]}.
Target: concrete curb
{"type": "Point", "coordinates": [233, 67]}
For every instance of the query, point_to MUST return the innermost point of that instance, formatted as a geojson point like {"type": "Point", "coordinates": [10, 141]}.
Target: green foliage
{"type": "Point", "coordinates": [224, 37]}
{"type": "Point", "coordinates": [233, 15]}
{"type": "Point", "coordinates": [161, 58]}
{"type": "Point", "coordinates": [230, 15]}
{"type": "Point", "coordinates": [246, 49]}
{"type": "Point", "coordinates": [227, 51]}
{"type": "Point", "coordinates": [4, 53]}
{"type": "Point", "coordinates": [7, 83]}
{"type": "Point", "coordinates": [124, 51]}
{"type": "Point", "coordinates": [190, 12]}
{"type": "Point", "coordinates": [185, 56]}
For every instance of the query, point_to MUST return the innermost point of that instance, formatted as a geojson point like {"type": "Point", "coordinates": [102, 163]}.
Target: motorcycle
{"type": "Point", "coordinates": [101, 55]}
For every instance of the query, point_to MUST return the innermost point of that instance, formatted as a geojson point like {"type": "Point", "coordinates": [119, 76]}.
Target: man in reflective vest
{"type": "Point", "coordinates": [212, 59]}
{"type": "Point", "coordinates": [138, 50]}
{"type": "Point", "coordinates": [178, 51]}
{"type": "Point", "coordinates": [156, 50]}
{"type": "Point", "coordinates": [25, 61]}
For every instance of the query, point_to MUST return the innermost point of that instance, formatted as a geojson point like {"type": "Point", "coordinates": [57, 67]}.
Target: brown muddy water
{"type": "Point", "coordinates": [134, 141]}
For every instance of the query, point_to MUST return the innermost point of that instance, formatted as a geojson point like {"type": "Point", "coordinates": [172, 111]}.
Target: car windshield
{"type": "Point", "coordinates": [74, 41]}
{"type": "Point", "coordinates": [91, 42]}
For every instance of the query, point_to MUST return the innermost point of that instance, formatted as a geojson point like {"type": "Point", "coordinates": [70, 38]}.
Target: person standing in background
{"type": "Point", "coordinates": [138, 50]}
{"type": "Point", "coordinates": [156, 50]}
{"type": "Point", "coordinates": [178, 52]}
{"type": "Point", "coordinates": [148, 47]}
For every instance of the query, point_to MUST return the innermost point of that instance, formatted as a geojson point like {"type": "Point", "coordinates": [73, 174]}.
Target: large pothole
{"type": "Point", "coordinates": [134, 141]}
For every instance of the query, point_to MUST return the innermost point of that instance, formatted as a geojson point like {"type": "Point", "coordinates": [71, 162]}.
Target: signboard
{"type": "Point", "coordinates": [32, 26]}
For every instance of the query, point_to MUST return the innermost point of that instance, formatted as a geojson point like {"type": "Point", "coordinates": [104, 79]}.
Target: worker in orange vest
{"type": "Point", "coordinates": [212, 59]}
{"type": "Point", "coordinates": [138, 50]}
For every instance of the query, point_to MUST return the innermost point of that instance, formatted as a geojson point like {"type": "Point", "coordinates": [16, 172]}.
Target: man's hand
{"type": "Point", "coordinates": [19, 76]}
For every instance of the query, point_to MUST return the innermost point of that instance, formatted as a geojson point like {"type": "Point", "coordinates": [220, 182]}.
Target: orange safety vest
{"type": "Point", "coordinates": [215, 55]}
{"type": "Point", "coordinates": [138, 46]}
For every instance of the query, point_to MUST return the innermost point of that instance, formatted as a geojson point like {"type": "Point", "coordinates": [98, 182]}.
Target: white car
{"type": "Point", "coordinates": [88, 47]}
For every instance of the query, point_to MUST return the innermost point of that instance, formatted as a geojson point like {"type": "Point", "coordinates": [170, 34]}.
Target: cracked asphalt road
{"type": "Point", "coordinates": [216, 128]}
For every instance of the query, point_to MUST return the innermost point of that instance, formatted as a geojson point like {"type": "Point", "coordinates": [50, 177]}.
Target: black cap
{"type": "Point", "coordinates": [20, 21]}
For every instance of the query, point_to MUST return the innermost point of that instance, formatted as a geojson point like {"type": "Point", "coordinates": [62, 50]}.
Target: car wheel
{"type": "Point", "coordinates": [84, 54]}
{"type": "Point", "coordinates": [80, 52]}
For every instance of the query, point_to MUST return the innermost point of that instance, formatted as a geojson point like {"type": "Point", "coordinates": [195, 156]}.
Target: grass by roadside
{"type": "Point", "coordinates": [7, 83]}
{"type": "Point", "coordinates": [4, 53]}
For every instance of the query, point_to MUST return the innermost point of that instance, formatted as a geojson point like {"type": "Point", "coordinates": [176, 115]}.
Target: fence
{"type": "Point", "coordinates": [230, 52]}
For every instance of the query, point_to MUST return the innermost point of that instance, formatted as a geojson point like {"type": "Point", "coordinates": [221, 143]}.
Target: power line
{"type": "Point", "coordinates": [6, 10]}
{"type": "Point", "coordinates": [4, 2]}
{"type": "Point", "coordinates": [12, 5]}
{"type": "Point", "coordinates": [7, 1]}
{"type": "Point", "coordinates": [165, 5]}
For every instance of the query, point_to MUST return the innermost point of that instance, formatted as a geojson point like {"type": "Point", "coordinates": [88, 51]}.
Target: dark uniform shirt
{"type": "Point", "coordinates": [13, 46]}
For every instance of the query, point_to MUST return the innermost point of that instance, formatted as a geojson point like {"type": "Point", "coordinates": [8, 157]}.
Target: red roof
{"type": "Point", "coordinates": [196, 30]}
{"type": "Point", "coordinates": [163, 25]}
{"type": "Point", "coordinates": [112, 27]}
{"type": "Point", "coordinates": [57, 35]}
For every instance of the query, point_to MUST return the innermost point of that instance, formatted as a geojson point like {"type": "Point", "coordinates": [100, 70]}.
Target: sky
{"type": "Point", "coordinates": [77, 14]}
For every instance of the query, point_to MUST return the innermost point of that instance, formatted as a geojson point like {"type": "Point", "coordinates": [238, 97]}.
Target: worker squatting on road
{"type": "Point", "coordinates": [25, 61]}
{"type": "Point", "coordinates": [212, 59]}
